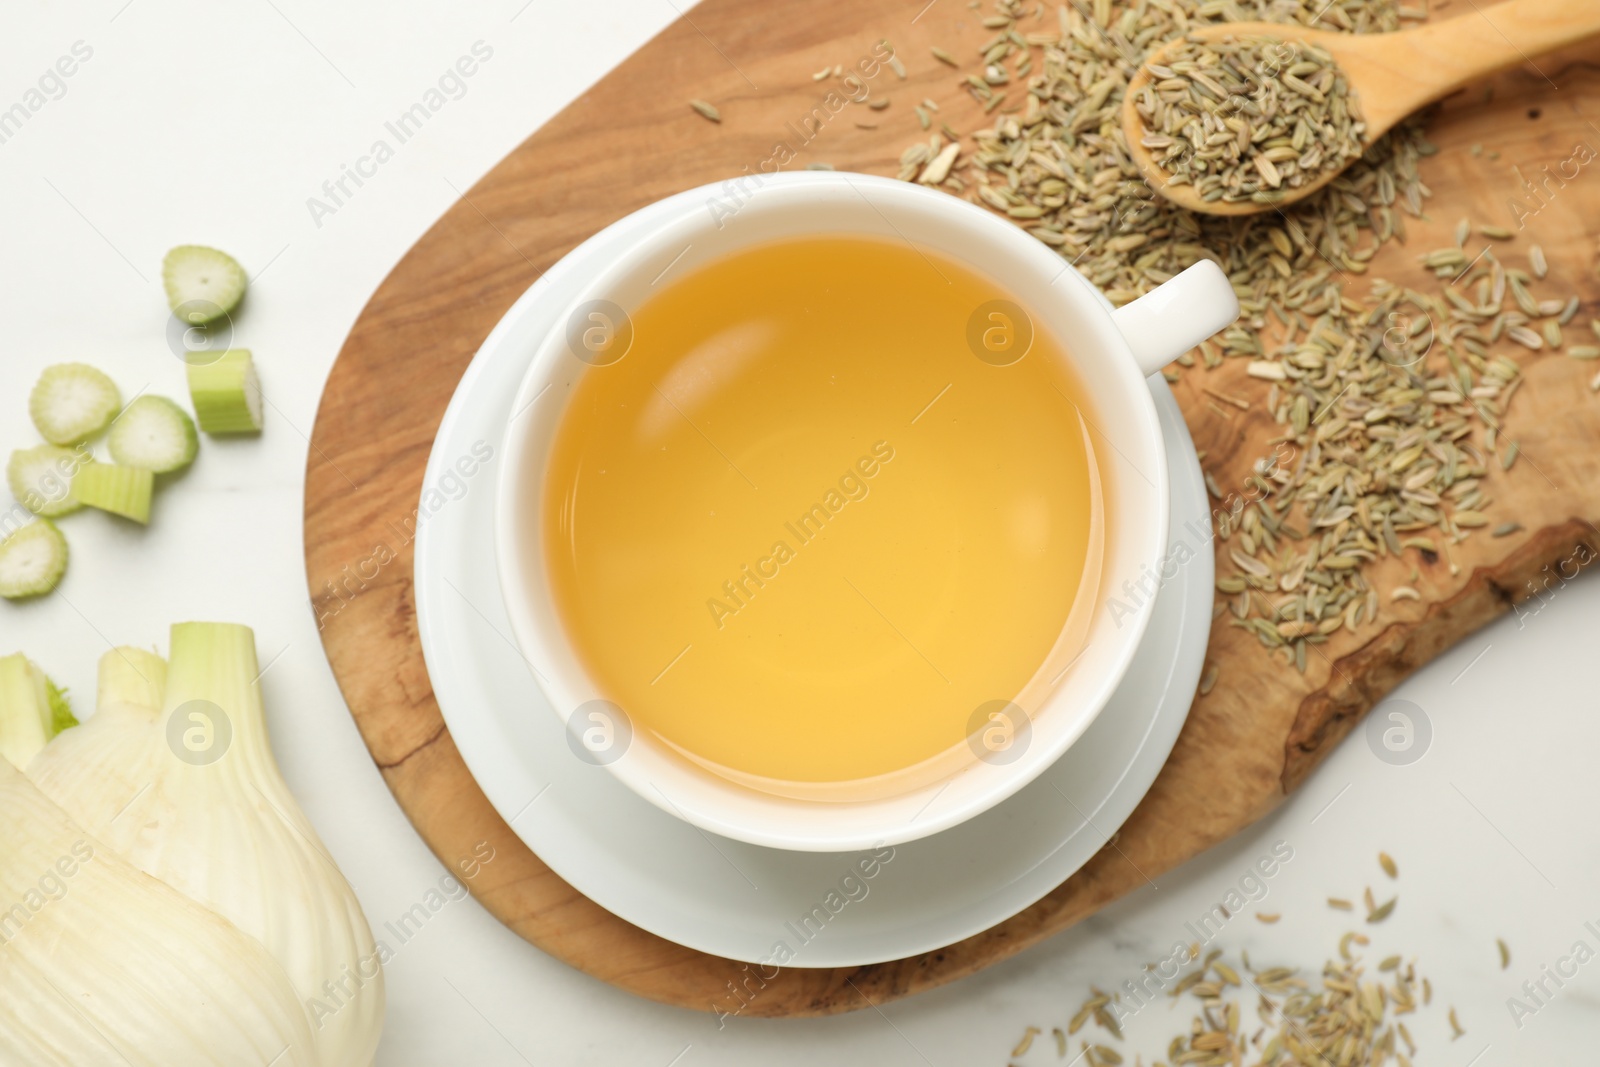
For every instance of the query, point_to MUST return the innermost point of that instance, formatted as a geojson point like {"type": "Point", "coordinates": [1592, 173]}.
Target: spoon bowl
{"type": "Point", "coordinates": [1391, 75]}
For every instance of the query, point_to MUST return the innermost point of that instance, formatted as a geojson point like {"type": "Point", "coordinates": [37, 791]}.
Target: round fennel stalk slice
{"type": "Point", "coordinates": [72, 402]}
{"type": "Point", "coordinates": [154, 434]}
{"type": "Point", "coordinates": [218, 822]}
{"type": "Point", "coordinates": [226, 393]}
{"type": "Point", "coordinates": [41, 479]}
{"type": "Point", "coordinates": [32, 560]}
{"type": "Point", "coordinates": [120, 968]}
{"type": "Point", "coordinates": [203, 284]}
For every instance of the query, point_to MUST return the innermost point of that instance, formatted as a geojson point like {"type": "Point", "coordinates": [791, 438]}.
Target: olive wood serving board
{"type": "Point", "coordinates": [633, 139]}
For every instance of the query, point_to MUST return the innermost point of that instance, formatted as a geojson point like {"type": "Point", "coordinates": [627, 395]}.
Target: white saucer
{"type": "Point", "coordinates": [725, 897]}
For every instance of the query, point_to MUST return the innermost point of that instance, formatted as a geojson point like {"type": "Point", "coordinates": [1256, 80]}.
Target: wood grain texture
{"type": "Point", "coordinates": [632, 139]}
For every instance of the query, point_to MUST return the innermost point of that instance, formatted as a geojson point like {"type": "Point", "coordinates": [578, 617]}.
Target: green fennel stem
{"type": "Point", "coordinates": [32, 710]}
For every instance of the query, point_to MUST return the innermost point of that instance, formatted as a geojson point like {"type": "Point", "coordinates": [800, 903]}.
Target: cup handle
{"type": "Point", "coordinates": [1176, 315]}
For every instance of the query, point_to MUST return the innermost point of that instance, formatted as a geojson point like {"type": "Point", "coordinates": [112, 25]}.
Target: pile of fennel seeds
{"type": "Point", "coordinates": [1275, 1017]}
{"type": "Point", "coordinates": [1391, 398]}
{"type": "Point", "coordinates": [1346, 1017]}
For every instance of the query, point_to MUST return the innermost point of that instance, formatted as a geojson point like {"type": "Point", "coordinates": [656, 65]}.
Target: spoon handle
{"type": "Point", "coordinates": [1429, 63]}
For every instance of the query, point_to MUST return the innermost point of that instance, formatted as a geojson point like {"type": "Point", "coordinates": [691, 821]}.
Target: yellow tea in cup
{"type": "Point", "coordinates": [836, 497]}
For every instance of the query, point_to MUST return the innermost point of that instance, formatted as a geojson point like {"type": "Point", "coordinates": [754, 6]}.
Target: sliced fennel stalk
{"type": "Point", "coordinates": [101, 964]}
{"type": "Point", "coordinates": [226, 393]}
{"type": "Point", "coordinates": [176, 774]}
{"type": "Point", "coordinates": [32, 710]}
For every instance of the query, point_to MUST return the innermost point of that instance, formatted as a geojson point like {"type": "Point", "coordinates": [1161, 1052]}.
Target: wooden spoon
{"type": "Point", "coordinates": [1391, 74]}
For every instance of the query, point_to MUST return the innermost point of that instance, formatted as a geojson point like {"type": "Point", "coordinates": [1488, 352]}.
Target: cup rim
{"type": "Point", "coordinates": [700, 797]}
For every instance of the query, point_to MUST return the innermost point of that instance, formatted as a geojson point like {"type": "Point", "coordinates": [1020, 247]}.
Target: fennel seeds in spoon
{"type": "Point", "coordinates": [1249, 118]}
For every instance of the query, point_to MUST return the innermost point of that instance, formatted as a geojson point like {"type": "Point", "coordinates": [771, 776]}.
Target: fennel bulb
{"type": "Point", "coordinates": [174, 772]}
{"type": "Point", "coordinates": [102, 964]}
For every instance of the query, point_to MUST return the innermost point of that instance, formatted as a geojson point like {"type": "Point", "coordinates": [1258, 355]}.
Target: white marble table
{"type": "Point", "coordinates": [216, 124]}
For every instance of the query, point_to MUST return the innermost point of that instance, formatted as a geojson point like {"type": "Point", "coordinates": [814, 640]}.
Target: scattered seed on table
{"type": "Point", "coordinates": [706, 110]}
{"type": "Point", "coordinates": [939, 168]}
{"type": "Point", "coordinates": [1525, 337]}
{"type": "Point", "coordinates": [1027, 1041]}
{"type": "Point", "coordinates": [1351, 938]}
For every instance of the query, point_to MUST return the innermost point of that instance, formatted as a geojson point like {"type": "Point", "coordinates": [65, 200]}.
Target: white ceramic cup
{"type": "Point", "coordinates": [1111, 352]}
